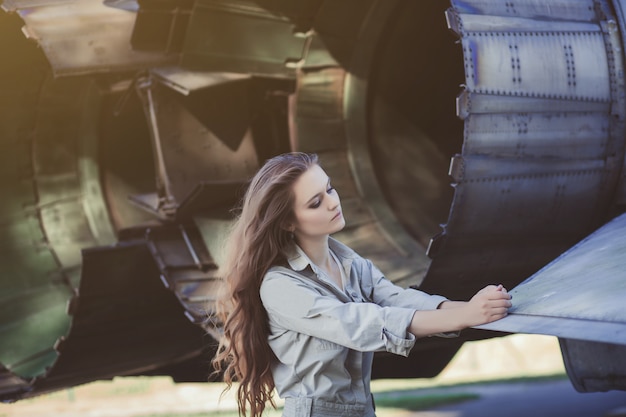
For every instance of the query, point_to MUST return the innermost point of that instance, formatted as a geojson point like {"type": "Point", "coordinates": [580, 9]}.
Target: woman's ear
{"type": "Point", "coordinates": [290, 229]}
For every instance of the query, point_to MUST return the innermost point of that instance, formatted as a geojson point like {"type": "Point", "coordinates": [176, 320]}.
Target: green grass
{"type": "Point", "coordinates": [422, 402]}
{"type": "Point", "coordinates": [414, 385]}
{"type": "Point", "coordinates": [513, 380]}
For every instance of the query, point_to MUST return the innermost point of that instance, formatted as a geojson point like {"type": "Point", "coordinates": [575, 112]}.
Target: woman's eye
{"type": "Point", "coordinates": [316, 204]}
{"type": "Point", "coordinates": [330, 190]}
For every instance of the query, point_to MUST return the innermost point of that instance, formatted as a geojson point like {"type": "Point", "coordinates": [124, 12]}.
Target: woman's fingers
{"type": "Point", "coordinates": [500, 303]}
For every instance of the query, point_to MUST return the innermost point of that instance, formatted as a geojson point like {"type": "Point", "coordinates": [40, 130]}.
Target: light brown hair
{"type": "Point", "coordinates": [258, 240]}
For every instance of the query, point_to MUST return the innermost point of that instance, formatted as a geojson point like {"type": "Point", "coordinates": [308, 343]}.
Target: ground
{"type": "Point", "coordinates": [507, 357]}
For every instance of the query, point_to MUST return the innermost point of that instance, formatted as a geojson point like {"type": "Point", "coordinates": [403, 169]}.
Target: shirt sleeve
{"type": "Point", "coordinates": [383, 292]}
{"type": "Point", "coordinates": [294, 305]}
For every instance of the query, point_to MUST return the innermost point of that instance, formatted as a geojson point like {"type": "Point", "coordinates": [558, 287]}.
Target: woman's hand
{"type": "Point", "coordinates": [487, 305]}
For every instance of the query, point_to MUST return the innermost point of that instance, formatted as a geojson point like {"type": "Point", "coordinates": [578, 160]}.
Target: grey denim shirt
{"type": "Point", "coordinates": [324, 338]}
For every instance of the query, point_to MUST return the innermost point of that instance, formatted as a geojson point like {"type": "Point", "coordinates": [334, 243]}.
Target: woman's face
{"type": "Point", "coordinates": [317, 208]}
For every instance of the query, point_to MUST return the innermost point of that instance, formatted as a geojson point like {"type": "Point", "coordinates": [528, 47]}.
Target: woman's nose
{"type": "Point", "coordinates": [333, 201]}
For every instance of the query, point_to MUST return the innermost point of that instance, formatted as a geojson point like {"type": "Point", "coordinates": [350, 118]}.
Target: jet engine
{"type": "Point", "coordinates": [472, 142]}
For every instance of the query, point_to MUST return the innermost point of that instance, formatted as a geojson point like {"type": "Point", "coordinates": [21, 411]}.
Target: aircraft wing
{"type": "Point", "coordinates": [579, 298]}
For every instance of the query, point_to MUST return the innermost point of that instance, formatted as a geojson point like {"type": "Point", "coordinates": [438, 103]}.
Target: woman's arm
{"type": "Point", "coordinates": [489, 304]}
{"type": "Point", "coordinates": [294, 302]}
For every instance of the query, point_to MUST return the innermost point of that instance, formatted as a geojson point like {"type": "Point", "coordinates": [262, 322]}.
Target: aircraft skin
{"type": "Point", "coordinates": [472, 142]}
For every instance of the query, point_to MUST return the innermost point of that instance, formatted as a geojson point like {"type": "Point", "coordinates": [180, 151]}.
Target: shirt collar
{"type": "Point", "coordinates": [298, 260]}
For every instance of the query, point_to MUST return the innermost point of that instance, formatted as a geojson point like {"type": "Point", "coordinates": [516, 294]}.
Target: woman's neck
{"type": "Point", "coordinates": [317, 251]}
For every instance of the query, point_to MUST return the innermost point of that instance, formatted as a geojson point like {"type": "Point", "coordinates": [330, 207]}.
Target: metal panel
{"type": "Point", "coordinates": [130, 5]}
{"type": "Point", "coordinates": [539, 125]}
{"type": "Point", "coordinates": [186, 82]}
{"type": "Point", "coordinates": [33, 289]}
{"type": "Point", "coordinates": [191, 145]}
{"type": "Point", "coordinates": [319, 104]}
{"type": "Point", "coordinates": [30, 324]}
{"type": "Point", "coordinates": [122, 314]}
{"type": "Point", "coordinates": [9, 383]}
{"type": "Point", "coordinates": [593, 366]}
{"type": "Point", "coordinates": [521, 196]}
{"type": "Point", "coordinates": [522, 189]}
{"type": "Point", "coordinates": [240, 36]}
{"type": "Point", "coordinates": [160, 26]}
{"type": "Point", "coordinates": [476, 103]}
{"type": "Point", "coordinates": [575, 10]}
{"type": "Point", "coordinates": [84, 36]}
{"type": "Point", "coordinates": [326, 97]}
{"type": "Point", "coordinates": [188, 269]}
{"type": "Point", "coordinates": [617, 30]}
{"type": "Point", "coordinates": [538, 135]}
{"type": "Point", "coordinates": [548, 64]}
{"type": "Point", "coordinates": [13, 5]}
{"type": "Point", "coordinates": [476, 23]}
{"type": "Point", "coordinates": [581, 291]}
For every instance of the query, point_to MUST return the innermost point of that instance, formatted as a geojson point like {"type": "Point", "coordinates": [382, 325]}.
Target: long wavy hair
{"type": "Point", "coordinates": [259, 239]}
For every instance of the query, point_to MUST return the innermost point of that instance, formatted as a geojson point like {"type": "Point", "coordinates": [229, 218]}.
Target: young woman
{"type": "Point", "coordinates": [303, 313]}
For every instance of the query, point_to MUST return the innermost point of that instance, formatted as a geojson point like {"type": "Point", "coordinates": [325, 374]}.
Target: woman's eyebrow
{"type": "Point", "coordinates": [313, 198]}
{"type": "Point", "coordinates": [318, 194]}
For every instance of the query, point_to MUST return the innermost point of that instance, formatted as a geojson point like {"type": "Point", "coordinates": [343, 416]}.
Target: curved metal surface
{"type": "Point", "coordinates": [516, 178]}
{"type": "Point", "coordinates": [594, 366]}
{"type": "Point", "coordinates": [28, 298]}
{"type": "Point", "coordinates": [133, 169]}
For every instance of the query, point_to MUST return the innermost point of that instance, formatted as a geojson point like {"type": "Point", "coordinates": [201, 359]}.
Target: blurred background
{"type": "Point", "coordinates": [501, 359]}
